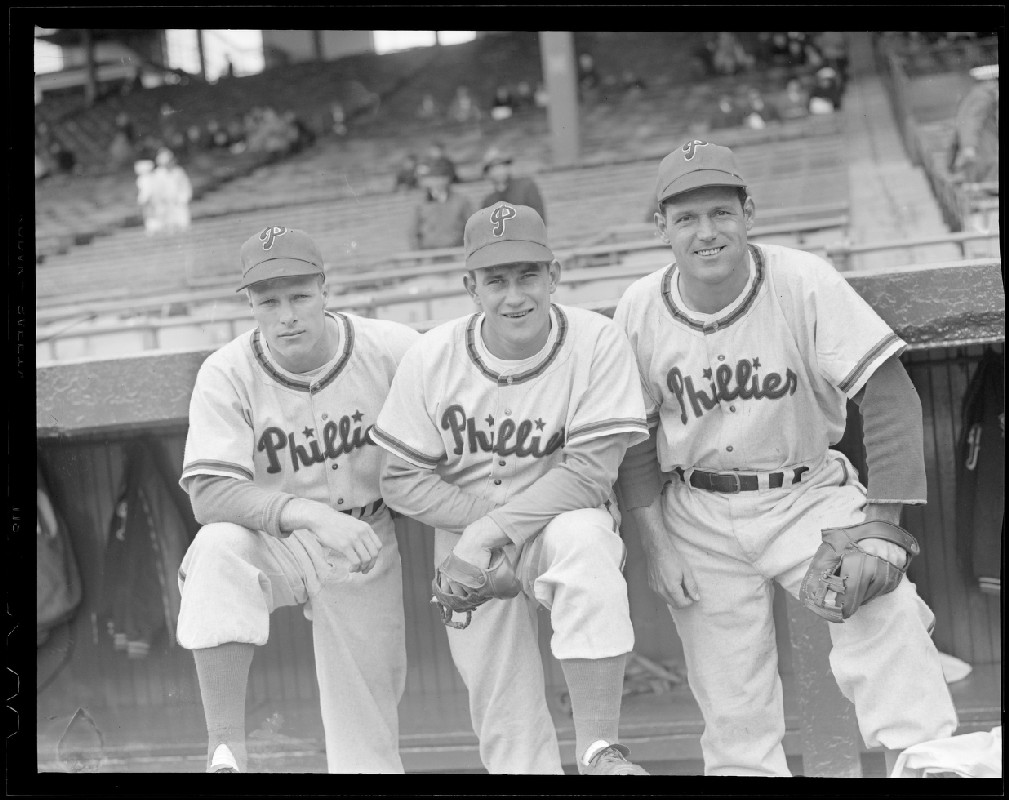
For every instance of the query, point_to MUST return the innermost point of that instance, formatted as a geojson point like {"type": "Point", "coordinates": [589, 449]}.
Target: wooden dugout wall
{"type": "Point", "coordinates": [948, 316]}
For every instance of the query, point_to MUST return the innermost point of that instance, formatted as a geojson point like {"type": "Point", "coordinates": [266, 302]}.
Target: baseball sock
{"type": "Point", "coordinates": [596, 687]}
{"type": "Point", "coordinates": [223, 672]}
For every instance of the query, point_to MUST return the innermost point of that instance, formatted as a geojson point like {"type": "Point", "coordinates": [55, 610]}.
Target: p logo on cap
{"type": "Point", "coordinates": [691, 147]}
{"type": "Point", "coordinates": [499, 216]}
{"type": "Point", "coordinates": [269, 236]}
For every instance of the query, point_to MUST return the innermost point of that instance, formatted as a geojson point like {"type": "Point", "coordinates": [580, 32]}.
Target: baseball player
{"type": "Point", "coordinates": [748, 355]}
{"type": "Point", "coordinates": [504, 430]}
{"type": "Point", "coordinates": [284, 476]}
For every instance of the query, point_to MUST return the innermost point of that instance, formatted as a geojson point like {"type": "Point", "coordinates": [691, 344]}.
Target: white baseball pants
{"type": "Point", "coordinates": [573, 569]}
{"type": "Point", "coordinates": [883, 657]}
{"type": "Point", "coordinates": [235, 578]}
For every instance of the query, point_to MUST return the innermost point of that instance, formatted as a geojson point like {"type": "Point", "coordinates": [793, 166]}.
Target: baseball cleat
{"type": "Point", "coordinates": [612, 760]}
{"type": "Point", "coordinates": [223, 760]}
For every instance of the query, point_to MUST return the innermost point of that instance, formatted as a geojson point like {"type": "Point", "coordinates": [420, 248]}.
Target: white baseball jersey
{"type": "Point", "coordinates": [761, 384]}
{"type": "Point", "coordinates": [250, 418]}
{"type": "Point", "coordinates": [497, 427]}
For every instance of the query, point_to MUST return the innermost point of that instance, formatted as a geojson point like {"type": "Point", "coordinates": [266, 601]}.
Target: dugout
{"type": "Point", "coordinates": [91, 415]}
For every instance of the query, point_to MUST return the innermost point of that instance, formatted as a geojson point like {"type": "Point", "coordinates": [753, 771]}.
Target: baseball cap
{"type": "Point", "coordinates": [505, 234]}
{"type": "Point", "coordinates": [696, 164]}
{"type": "Point", "coordinates": [279, 252]}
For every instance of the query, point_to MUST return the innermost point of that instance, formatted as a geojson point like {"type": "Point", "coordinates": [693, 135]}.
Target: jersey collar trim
{"type": "Point", "coordinates": [472, 331]}
{"type": "Point", "coordinates": [287, 380]}
{"type": "Point", "coordinates": [683, 316]}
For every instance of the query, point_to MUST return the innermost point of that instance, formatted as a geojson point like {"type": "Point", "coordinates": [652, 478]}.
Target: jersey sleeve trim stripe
{"type": "Point", "coordinates": [852, 378]}
{"type": "Point", "coordinates": [608, 426]}
{"type": "Point", "coordinates": [403, 450]}
{"type": "Point", "coordinates": [215, 467]}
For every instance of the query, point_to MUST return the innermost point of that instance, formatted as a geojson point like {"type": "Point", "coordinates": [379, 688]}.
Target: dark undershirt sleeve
{"type": "Point", "coordinates": [220, 499]}
{"type": "Point", "coordinates": [892, 435]}
{"type": "Point", "coordinates": [639, 480]}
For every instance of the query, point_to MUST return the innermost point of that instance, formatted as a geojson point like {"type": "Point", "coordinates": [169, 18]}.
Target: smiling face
{"type": "Point", "coordinates": [291, 316]}
{"type": "Point", "coordinates": [706, 229]}
{"type": "Point", "coordinates": [515, 299]}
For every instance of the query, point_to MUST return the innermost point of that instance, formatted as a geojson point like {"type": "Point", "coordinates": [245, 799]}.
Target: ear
{"type": "Point", "coordinates": [749, 212]}
{"type": "Point", "coordinates": [554, 273]}
{"type": "Point", "coordinates": [469, 281]}
{"type": "Point", "coordinates": [660, 223]}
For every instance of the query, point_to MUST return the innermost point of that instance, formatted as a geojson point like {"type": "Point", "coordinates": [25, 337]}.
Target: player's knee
{"type": "Point", "coordinates": [221, 541]}
{"type": "Point", "coordinates": [587, 530]}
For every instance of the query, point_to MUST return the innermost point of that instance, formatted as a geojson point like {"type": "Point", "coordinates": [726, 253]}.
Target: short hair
{"type": "Point", "coordinates": [741, 193]}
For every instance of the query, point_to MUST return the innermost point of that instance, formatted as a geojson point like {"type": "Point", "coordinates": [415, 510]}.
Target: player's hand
{"type": "Point", "coordinates": [353, 539]}
{"type": "Point", "coordinates": [888, 512]}
{"type": "Point", "coordinates": [477, 541]}
{"type": "Point", "coordinates": [669, 575]}
{"type": "Point", "coordinates": [672, 579]}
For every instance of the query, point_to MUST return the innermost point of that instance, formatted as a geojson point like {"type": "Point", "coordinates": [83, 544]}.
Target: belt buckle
{"type": "Point", "coordinates": [735, 477]}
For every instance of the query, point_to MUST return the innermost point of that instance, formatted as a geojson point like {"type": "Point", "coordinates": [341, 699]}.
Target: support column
{"type": "Point", "coordinates": [317, 46]}
{"type": "Point", "coordinates": [203, 56]}
{"type": "Point", "coordinates": [90, 86]}
{"type": "Point", "coordinates": [557, 49]}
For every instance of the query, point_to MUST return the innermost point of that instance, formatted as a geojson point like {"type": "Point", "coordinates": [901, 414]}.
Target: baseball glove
{"type": "Point", "coordinates": [461, 586]}
{"type": "Point", "coordinates": [842, 576]}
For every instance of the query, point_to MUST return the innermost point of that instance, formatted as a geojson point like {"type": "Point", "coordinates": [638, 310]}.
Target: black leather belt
{"type": "Point", "coordinates": [365, 511]}
{"type": "Point", "coordinates": [734, 482]}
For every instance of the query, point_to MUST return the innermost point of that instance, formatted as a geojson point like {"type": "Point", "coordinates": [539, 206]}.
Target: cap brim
{"type": "Point", "coordinates": [278, 268]}
{"type": "Point", "coordinates": [698, 180]}
{"type": "Point", "coordinates": [508, 252]}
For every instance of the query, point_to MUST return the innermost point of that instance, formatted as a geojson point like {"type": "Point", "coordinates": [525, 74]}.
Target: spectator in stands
{"type": "Point", "coordinates": [975, 139]}
{"type": "Point", "coordinates": [303, 136]}
{"type": "Point", "coordinates": [497, 165]}
{"type": "Point", "coordinates": [503, 103]}
{"type": "Point", "coordinates": [216, 135]}
{"type": "Point", "coordinates": [524, 96]}
{"type": "Point", "coordinates": [406, 175]}
{"type": "Point", "coordinates": [125, 126]}
{"type": "Point", "coordinates": [588, 75]}
{"type": "Point", "coordinates": [428, 108]}
{"type": "Point", "coordinates": [462, 108]}
{"type": "Point", "coordinates": [729, 56]}
{"type": "Point", "coordinates": [144, 170]}
{"type": "Point", "coordinates": [758, 112]}
{"type": "Point", "coordinates": [631, 83]}
{"type": "Point", "coordinates": [833, 46]}
{"type": "Point", "coordinates": [196, 138]}
{"type": "Point", "coordinates": [802, 52]}
{"type": "Point", "coordinates": [436, 156]}
{"type": "Point", "coordinates": [795, 103]}
{"type": "Point", "coordinates": [726, 115]}
{"type": "Point", "coordinates": [236, 133]}
{"type": "Point", "coordinates": [541, 96]}
{"type": "Point", "coordinates": [826, 94]}
{"type": "Point", "coordinates": [338, 119]}
{"type": "Point", "coordinates": [440, 218]}
{"type": "Point", "coordinates": [62, 156]}
{"type": "Point", "coordinates": [779, 52]}
{"type": "Point", "coordinates": [170, 194]}
{"type": "Point", "coordinates": [121, 150]}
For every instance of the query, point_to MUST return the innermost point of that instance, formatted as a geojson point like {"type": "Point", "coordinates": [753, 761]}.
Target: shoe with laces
{"type": "Point", "coordinates": [223, 760]}
{"type": "Point", "coordinates": [612, 760]}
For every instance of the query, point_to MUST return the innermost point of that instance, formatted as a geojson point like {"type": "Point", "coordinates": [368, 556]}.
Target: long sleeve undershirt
{"type": "Point", "coordinates": [583, 480]}
{"type": "Point", "coordinates": [891, 433]}
{"type": "Point", "coordinates": [216, 498]}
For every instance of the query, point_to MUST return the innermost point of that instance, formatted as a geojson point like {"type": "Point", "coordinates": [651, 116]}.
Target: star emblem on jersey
{"type": "Point", "coordinates": [540, 424]}
{"type": "Point", "coordinates": [690, 148]}
{"type": "Point", "coordinates": [308, 432]}
{"type": "Point", "coordinates": [357, 416]}
{"type": "Point", "coordinates": [269, 235]}
{"type": "Point", "coordinates": [756, 363]}
{"type": "Point", "coordinates": [707, 373]}
{"type": "Point", "coordinates": [490, 420]}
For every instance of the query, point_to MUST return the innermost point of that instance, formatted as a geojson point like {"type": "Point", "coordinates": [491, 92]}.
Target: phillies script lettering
{"type": "Point", "coordinates": [513, 438]}
{"type": "Point", "coordinates": [338, 438]}
{"type": "Point", "coordinates": [728, 384]}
